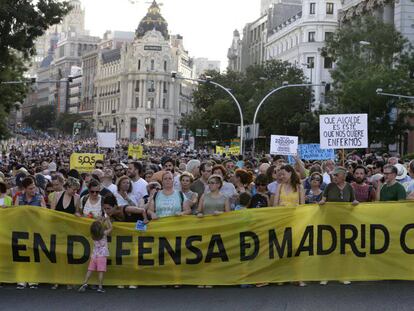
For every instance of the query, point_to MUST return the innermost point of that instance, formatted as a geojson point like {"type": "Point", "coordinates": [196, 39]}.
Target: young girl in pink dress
{"type": "Point", "coordinates": [99, 231]}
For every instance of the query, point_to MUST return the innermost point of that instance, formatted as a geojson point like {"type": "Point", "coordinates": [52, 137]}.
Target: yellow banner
{"type": "Point", "coordinates": [235, 150]}
{"type": "Point", "coordinates": [84, 162]}
{"type": "Point", "coordinates": [373, 241]}
{"type": "Point", "coordinates": [135, 151]}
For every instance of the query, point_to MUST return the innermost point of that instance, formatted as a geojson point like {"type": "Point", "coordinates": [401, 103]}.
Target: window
{"type": "Point", "coordinates": [165, 87]}
{"type": "Point", "coordinates": [311, 36]}
{"type": "Point", "coordinates": [328, 36]}
{"type": "Point", "coordinates": [164, 103]}
{"type": "Point", "coordinates": [149, 128]}
{"type": "Point", "coordinates": [152, 64]}
{"type": "Point", "coordinates": [165, 65]}
{"type": "Point", "coordinates": [150, 103]}
{"type": "Point", "coordinates": [137, 86]}
{"type": "Point", "coordinates": [165, 128]}
{"type": "Point", "coordinates": [139, 64]}
{"type": "Point", "coordinates": [151, 86]}
{"type": "Point", "coordinates": [329, 8]}
{"type": "Point", "coordinates": [136, 102]}
{"type": "Point", "coordinates": [312, 8]}
{"type": "Point", "coordinates": [327, 63]}
{"type": "Point", "coordinates": [311, 62]}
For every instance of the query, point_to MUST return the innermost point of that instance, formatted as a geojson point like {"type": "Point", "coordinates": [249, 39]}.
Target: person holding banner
{"type": "Point", "coordinates": [391, 190]}
{"type": "Point", "coordinates": [314, 193]}
{"type": "Point", "coordinates": [91, 203]}
{"type": "Point", "coordinates": [68, 201]}
{"type": "Point", "coordinates": [168, 202]}
{"type": "Point", "coordinates": [290, 191]}
{"type": "Point", "coordinates": [139, 185]}
{"type": "Point", "coordinates": [124, 194]}
{"type": "Point", "coordinates": [29, 195]}
{"type": "Point", "coordinates": [213, 202]}
{"type": "Point", "coordinates": [186, 179]}
{"type": "Point", "coordinates": [123, 213]}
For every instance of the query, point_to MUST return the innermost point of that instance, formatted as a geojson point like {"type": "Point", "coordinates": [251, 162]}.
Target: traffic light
{"type": "Point", "coordinates": [216, 124]}
{"type": "Point", "coordinates": [327, 88]}
{"type": "Point", "coordinates": [312, 95]}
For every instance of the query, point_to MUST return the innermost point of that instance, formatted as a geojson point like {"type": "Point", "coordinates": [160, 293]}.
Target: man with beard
{"type": "Point", "coordinates": [139, 185]}
{"type": "Point", "coordinates": [168, 165]}
{"type": "Point", "coordinates": [363, 191]}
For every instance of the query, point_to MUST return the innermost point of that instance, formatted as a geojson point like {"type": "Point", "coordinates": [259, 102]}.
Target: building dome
{"type": "Point", "coordinates": [153, 20]}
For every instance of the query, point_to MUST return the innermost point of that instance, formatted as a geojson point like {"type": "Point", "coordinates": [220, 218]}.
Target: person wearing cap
{"type": "Point", "coordinates": [339, 190]}
{"type": "Point", "coordinates": [391, 190]}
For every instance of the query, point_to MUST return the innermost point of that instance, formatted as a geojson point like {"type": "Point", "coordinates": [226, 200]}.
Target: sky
{"type": "Point", "coordinates": [206, 25]}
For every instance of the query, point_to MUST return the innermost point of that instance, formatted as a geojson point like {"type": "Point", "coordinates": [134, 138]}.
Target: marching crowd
{"type": "Point", "coordinates": [175, 182]}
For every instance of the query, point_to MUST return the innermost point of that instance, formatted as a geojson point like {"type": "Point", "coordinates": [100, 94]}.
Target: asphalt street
{"type": "Point", "coordinates": [387, 295]}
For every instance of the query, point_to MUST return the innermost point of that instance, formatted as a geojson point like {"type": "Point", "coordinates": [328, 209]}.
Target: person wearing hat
{"type": "Point", "coordinates": [402, 175]}
{"type": "Point", "coordinates": [391, 190]}
{"type": "Point", "coordinates": [339, 190]}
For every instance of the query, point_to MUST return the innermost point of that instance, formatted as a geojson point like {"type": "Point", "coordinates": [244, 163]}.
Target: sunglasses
{"type": "Point", "coordinates": [99, 167]}
{"type": "Point", "coordinates": [317, 179]}
{"type": "Point", "coordinates": [94, 191]}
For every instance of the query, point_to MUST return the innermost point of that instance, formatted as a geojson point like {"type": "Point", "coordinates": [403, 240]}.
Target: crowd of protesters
{"type": "Point", "coordinates": [172, 181]}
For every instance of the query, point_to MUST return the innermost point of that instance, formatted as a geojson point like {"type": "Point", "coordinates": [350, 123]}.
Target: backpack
{"type": "Point", "coordinates": [181, 198]}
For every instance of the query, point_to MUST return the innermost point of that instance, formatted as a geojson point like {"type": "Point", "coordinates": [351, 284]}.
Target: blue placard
{"type": "Point", "coordinates": [141, 226]}
{"type": "Point", "coordinates": [313, 152]}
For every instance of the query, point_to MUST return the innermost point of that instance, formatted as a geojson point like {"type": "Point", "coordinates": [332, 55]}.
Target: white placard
{"type": "Point", "coordinates": [106, 140]}
{"type": "Point", "coordinates": [284, 145]}
{"type": "Point", "coordinates": [343, 131]}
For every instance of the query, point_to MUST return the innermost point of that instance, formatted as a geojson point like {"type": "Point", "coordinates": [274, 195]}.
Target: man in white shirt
{"type": "Point", "coordinates": [139, 185]}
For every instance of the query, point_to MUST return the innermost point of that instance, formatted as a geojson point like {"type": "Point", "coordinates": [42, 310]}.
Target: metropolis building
{"type": "Point", "coordinates": [134, 94]}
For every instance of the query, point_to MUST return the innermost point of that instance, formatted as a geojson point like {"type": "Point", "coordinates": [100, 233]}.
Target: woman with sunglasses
{"type": "Point", "coordinates": [314, 193]}
{"type": "Point", "coordinates": [213, 202]}
{"type": "Point", "coordinates": [261, 198]}
{"type": "Point", "coordinates": [91, 203]}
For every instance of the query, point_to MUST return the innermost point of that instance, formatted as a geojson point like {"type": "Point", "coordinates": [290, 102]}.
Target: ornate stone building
{"type": "Point", "coordinates": [135, 95]}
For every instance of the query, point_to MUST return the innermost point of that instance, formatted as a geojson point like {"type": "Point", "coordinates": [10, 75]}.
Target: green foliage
{"type": "Point", "coordinates": [282, 113]}
{"type": "Point", "coordinates": [65, 122]}
{"type": "Point", "coordinates": [41, 118]}
{"type": "Point", "coordinates": [22, 22]}
{"type": "Point", "coordinates": [363, 68]}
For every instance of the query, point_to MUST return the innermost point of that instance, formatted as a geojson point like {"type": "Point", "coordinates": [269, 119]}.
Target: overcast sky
{"type": "Point", "coordinates": [206, 25]}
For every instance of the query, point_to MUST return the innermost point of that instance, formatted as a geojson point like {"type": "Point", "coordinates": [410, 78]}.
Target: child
{"type": "Point", "coordinates": [100, 252]}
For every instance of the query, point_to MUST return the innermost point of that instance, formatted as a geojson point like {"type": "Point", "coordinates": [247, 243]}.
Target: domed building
{"type": "Point", "coordinates": [134, 93]}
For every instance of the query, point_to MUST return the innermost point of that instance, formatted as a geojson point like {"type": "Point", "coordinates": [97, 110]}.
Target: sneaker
{"type": "Point", "coordinates": [132, 287]}
{"type": "Point", "coordinates": [262, 284]}
{"type": "Point", "coordinates": [120, 286]}
{"type": "Point", "coordinates": [200, 286]}
{"type": "Point", "coordinates": [83, 288]}
{"type": "Point", "coordinates": [100, 290]}
{"type": "Point", "coordinates": [33, 286]}
{"type": "Point", "coordinates": [69, 287]}
{"type": "Point", "coordinates": [302, 284]}
{"type": "Point", "coordinates": [208, 286]}
{"type": "Point", "coordinates": [21, 286]}
{"type": "Point", "coordinates": [323, 283]}
{"type": "Point", "coordinates": [55, 286]}
{"type": "Point", "coordinates": [346, 282]}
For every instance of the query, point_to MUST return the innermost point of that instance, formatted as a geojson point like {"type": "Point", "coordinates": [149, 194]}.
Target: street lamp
{"type": "Point", "coordinates": [284, 86]}
{"type": "Point", "coordinates": [381, 93]}
{"type": "Point", "coordinates": [207, 80]}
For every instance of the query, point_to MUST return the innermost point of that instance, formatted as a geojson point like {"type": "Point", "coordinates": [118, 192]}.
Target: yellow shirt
{"type": "Point", "coordinates": [288, 199]}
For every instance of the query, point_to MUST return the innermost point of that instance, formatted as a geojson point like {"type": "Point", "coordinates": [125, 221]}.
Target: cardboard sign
{"type": "Point", "coordinates": [84, 162]}
{"type": "Point", "coordinates": [106, 140]}
{"type": "Point", "coordinates": [284, 145]}
{"type": "Point", "coordinates": [343, 131]}
{"type": "Point", "coordinates": [135, 151]}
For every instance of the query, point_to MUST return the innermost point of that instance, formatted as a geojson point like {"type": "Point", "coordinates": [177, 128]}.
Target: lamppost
{"type": "Point", "coordinates": [285, 86]}
{"type": "Point", "coordinates": [381, 93]}
{"type": "Point", "coordinates": [208, 80]}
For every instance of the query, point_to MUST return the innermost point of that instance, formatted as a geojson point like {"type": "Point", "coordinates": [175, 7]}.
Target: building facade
{"type": "Point", "coordinates": [201, 65]}
{"type": "Point", "coordinates": [135, 94]}
{"type": "Point", "coordinates": [300, 39]}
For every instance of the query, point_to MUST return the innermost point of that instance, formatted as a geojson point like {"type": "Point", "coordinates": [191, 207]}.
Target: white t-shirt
{"type": "Point", "coordinates": [92, 209]}
{"type": "Point", "coordinates": [139, 189]}
{"type": "Point", "coordinates": [122, 202]}
{"type": "Point", "coordinates": [272, 187]}
{"type": "Point", "coordinates": [113, 188]}
{"type": "Point", "coordinates": [326, 178]}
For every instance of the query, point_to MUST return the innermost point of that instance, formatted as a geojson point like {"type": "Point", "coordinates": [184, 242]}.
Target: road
{"type": "Point", "coordinates": [368, 296]}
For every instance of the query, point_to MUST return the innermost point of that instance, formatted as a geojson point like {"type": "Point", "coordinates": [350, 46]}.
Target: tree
{"type": "Point", "coordinates": [41, 118]}
{"type": "Point", "coordinates": [22, 22]}
{"type": "Point", "coordinates": [65, 122]}
{"type": "Point", "coordinates": [370, 54]}
{"type": "Point", "coordinates": [285, 112]}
